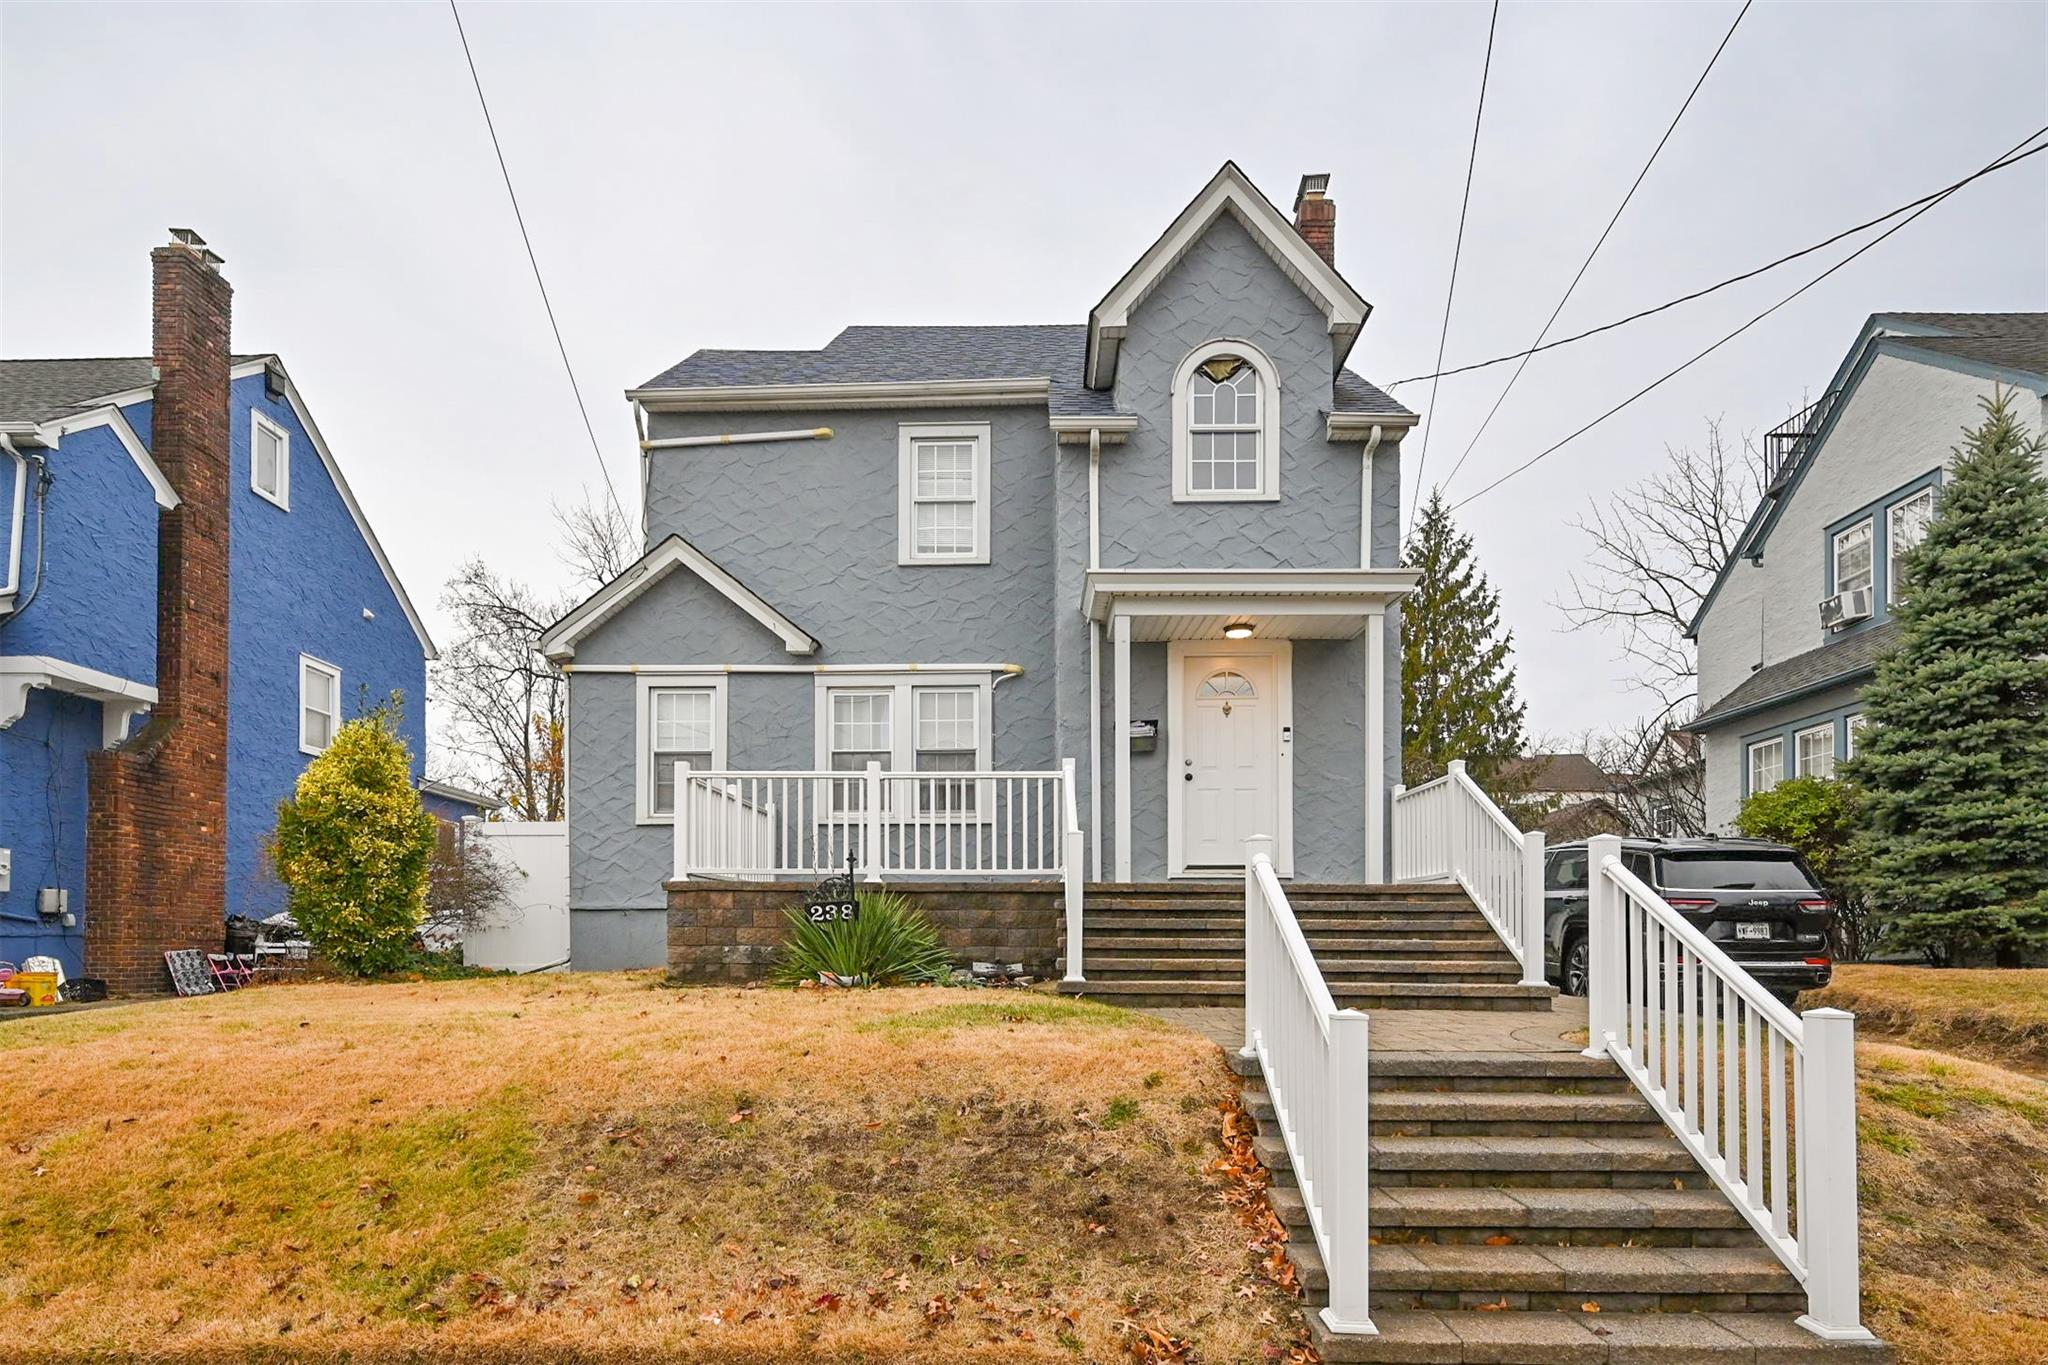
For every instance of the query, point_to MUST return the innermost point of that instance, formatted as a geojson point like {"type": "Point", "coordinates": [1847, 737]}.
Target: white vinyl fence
{"type": "Point", "coordinates": [532, 933]}
{"type": "Point", "coordinates": [1315, 1063]}
{"type": "Point", "coordinates": [1765, 1100]}
{"type": "Point", "coordinates": [732, 824]}
{"type": "Point", "coordinates": [1450, 830]}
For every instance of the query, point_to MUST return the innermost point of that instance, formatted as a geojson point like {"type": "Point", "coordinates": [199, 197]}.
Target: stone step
{"type": "Point", "coordinates": [1538, 1217]}
{"type": "Point", "coordinates": [1619, 1279]}
{"type": "Point", "coordinates": [1558, 1162]}
{"type": "Point", "coordinates": [1393, 907]}
{"type": "Point", "coordinates": [1163, 992]}
{"type": "Point", "coordinates": [1563, 1073]}
{"type": "Point", "coordinates": [1422, 1337]}
{"type": "Point", "coordinates": [1207, 939]}
{"type": "Point", "coordinates": [1117, 965]}
{"type": "Point", "coordinates": [1466, 1113]}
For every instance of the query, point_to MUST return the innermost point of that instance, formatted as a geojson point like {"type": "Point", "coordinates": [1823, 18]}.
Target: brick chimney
{"type": "Point", "coordinates": [156, 825]}
{"type": "Point", "coordinates": [1315, 217]}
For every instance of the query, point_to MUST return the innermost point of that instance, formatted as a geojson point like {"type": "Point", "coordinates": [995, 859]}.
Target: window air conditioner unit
{"type": "Point", "coordinates": [1845, 608]}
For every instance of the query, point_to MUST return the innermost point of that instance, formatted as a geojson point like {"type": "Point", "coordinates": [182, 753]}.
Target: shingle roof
{"type": "Point", "coordinates": [883, 355]}
{"type": "Point", "coordinates": [38, 390]}
{"type": "Point", "coordinates": [1841, 661]}
{"type": "Point", "coordinates": [1557, 773]}
{"type": "Point", "coordinates": [2013, 340]}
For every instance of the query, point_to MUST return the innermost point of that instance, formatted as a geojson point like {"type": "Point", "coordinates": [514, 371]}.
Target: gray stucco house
{"type": "Point", "coordinates": [1793, 627]}
{"type": "Point", "coordinates": [1131, 581]}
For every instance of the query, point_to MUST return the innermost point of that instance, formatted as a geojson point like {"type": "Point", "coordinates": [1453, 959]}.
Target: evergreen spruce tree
{"type": "Point", "coordinates": [1954, 760]}
{"type": "Point", "coordinates": [1457, 681]}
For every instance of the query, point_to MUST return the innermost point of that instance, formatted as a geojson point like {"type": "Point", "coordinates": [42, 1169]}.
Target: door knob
{"type": "Point", "coordinates": [1187, 777]}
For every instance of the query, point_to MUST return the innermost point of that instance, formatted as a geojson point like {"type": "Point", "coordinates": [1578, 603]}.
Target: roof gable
{"type": "Point", "coordinates": [558, 641]}
{"type": "Point", "coordinates": [1228, 191]}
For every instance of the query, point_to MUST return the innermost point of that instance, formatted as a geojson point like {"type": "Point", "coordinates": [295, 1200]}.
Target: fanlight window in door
{"type": "Point", "coordinates": [1224, 426]}
{"type": "Point", "coordinates": [1226, 684]}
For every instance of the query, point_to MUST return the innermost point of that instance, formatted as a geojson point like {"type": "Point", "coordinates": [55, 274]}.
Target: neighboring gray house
{"type": "Point", "coordinates": [1795, 623]}
{"type": "Point", "coordinates": [1159, 545]}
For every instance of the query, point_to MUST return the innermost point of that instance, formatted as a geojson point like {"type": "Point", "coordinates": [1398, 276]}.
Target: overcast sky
{"type": "Point", "coordinates": [761, 176]}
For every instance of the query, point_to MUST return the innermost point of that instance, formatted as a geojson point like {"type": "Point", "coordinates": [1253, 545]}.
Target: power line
{"type": "Point", "coordinates": [1457, 249]}
{"type": "Point", "coordinates": [534, 261]}
{"type": "Point", "coordinates": [1764, 269]}
{"type": "Point", "coordinates": [1584, 265]}
{"type": "Point", "coordinates": [2007, 159]}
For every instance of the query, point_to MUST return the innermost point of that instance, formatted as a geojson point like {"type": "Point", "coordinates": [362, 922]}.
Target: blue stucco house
{"type": "Point", "coordinates": [318, 625]}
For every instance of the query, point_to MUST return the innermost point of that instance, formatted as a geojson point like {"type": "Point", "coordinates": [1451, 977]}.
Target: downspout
{"type": "Point", "coordinates": [12, 581]}
{"type": "Point", "coordinates": [1094, 661]}
{"type": "Point", "coordinates": [1372, 444]}
{"type": "Point", "coordinates": [640, 434]}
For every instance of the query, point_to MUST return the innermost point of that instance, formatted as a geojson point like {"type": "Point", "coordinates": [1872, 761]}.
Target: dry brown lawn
{"type": "Point", "coordinates": [2000, 1016]}
{"type": "Point", "coordinates": [1953, 1165]}
{"type": "Point", "coordinates": [594, 1167]}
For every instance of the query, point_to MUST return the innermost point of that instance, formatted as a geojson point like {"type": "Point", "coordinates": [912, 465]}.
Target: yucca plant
{"type": "Point", "coordinates": [891, 944]}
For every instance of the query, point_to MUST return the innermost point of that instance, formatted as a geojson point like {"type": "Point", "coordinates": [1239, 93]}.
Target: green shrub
{"type": "Point", "coordinates": [891, 944]}
{"type": "Point", "coordinates": [353, 846]}
{"type": "Point", "coordinates": [1820, 816]}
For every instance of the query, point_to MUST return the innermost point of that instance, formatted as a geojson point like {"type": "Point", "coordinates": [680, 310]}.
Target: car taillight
{"type": "Point", "coordinates": [1817, 906]}
{"type": "Point", "coordinates": [1817, 962]}
{"type": "Point", "coordinates": [1681, 903]}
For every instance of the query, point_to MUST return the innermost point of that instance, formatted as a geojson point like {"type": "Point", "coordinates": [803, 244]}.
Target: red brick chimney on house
{"type": "Point", "coordinates": [1315, 217]}
{"type": "Point", "coordinates": [156, 824]}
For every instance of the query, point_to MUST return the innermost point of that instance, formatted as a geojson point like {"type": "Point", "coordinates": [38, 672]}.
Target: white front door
{"type": "Point", "coordinates": [1228, 761]}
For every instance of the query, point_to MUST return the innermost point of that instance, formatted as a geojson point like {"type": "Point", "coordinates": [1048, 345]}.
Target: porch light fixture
{"type": "Point", "coordinates": [1238, 630]}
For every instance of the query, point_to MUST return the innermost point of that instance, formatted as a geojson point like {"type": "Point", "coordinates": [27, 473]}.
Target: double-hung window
{"type": "Point", "coordinates": [270, 460]}
{"type": "Point", "coordinates": [943, 493]}
{"type": "Point", "coordinates": [679, 721]}
{"type": "Point", "coordinates": [1226, 426]}
{"type": "Point", "coordinates": [319, 704]}
{"type": "Point", "coordinates": [1906, 526]}
{"type": "Point", "coordinates": [1852, 552]}
{"type": "Point", "coordinates": [1766, 764]}
{"type": "Point", "coordinates": [680, 718]}
{"type": "Point", "coordinates": [905, 726]}
{"type": "Point", "coordinates": [1853, 735]}
{"type": "Point", "coordinates": [1814, 751]}
{"type": "Point", "coordinates": [862, 727]}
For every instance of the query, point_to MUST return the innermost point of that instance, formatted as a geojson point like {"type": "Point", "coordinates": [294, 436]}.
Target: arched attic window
{"type": "Point", "coordinates": [1226, 425]}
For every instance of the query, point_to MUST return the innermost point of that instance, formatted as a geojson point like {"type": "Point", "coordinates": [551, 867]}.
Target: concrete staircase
{"type": "Point", "coordinates": [1530, 1208]}
{"type": "Point", "coordinates": [1179, 944]}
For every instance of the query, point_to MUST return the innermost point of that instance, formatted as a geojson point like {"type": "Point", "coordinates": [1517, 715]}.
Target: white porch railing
{"type": "Point", "coordinates": [1765, 1100]}
{"type": "Point", "coordinates": [767, 825]}
{"type": "Point", "coordinates": [1072, 838]}
{"type": "Point", "coordinates": [1315, 1062]}
{"type": "Point", "coordinates": [1450, 830]}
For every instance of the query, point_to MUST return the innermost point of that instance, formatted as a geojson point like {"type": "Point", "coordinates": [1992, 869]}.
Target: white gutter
{"type": "Point", "coordinates": [1372, 443]}
{"type": "Point", "coordinates": [738, 438]}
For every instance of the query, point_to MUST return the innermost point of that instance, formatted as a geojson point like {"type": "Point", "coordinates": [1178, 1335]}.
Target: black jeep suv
{"type": "Point", "coordinates": [1759, 903]}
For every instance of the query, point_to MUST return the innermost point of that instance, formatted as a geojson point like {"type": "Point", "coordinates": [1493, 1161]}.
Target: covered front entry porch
{"type": "Point", "coordinates": [1271, 712]}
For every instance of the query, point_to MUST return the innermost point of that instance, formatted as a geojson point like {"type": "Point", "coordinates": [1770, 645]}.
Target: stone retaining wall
{"type": "Point", "coordinates": [728, 931]}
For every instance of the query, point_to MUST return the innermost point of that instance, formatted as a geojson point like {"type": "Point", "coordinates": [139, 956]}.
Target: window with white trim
{"type": "Point", "coordinates": [943, 494]}
{"type": "Point", "coordinates": [1853, 734]}
{"type": "Point", "coordinates": [1226, 426]}
{"type": "Point", "coordinates": [1766, 764]}
{"type": "Point", "coordinates": [932, 725]}
{"type": "Point", "coordinates": [1813, 751]}
{"type": "Point", "coordinates": [270, 460]}
{"type": "Point", "coordinates": [948, 737]}
{"type": "Point", "coordinates": [1906, 527]}
{"type": "Point", "coordinates": [1852, 550]}
{"type": "Point", "coordinates": [680, 724]}
{"type": "Point", "coordinates": [319, 704]}
{"type": "Point", "coordinates": [677, 718]}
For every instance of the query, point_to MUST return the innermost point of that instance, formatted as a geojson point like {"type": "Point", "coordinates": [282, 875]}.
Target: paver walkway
{"type": "Point", "coordinates": [1561, 1029]}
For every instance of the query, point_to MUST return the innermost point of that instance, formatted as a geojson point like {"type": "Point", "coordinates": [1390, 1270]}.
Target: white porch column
{"type": "Point", "coordinates": [1120, 737]}
{"type": "Point", "coordinates": [1376, 747]}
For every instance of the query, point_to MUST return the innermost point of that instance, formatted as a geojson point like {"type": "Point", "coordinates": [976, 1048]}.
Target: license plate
{"type": "Point", "coordinates": [1751, 930]}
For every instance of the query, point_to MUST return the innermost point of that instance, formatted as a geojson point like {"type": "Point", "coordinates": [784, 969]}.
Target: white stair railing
{"type": "Point", "coordinates": [1765, 1100]}
{"type": "Point", "coordinates": [966, 825]}
{"type": "Point", "coordinates": [1316, 1064]}
{"type": "Point", "coordinates": [1072, 839]}
{"type": "Point", "coordinates": [1450, 830]}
